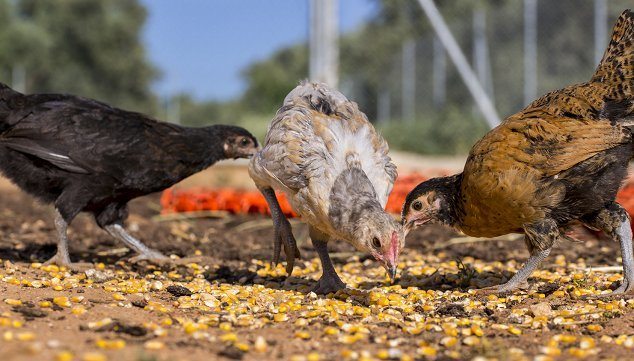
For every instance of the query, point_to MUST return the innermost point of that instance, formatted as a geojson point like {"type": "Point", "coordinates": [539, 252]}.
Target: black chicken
{"type": "Point", "coordinates": [83, 155]}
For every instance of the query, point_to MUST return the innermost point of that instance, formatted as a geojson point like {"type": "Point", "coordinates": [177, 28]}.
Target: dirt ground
{"type": "Point", "coordinates": [241, 308]}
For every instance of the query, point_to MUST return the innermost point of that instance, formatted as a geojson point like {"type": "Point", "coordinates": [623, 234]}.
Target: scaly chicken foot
{"type": "Point", "coordinates": [615, 222]}
{"type": "Point", "coordinates": [61, 257]}
{"type": "Point", "coordinates": [283, 232]}
{"type": "Point", "coordinates": [520, 278]}
{"type": "Point", "coordinates": [145, 253]}
{"type": "Point", "coordinates": [329, 282]}
{"type": "Point", "coordinates": [624, 235]}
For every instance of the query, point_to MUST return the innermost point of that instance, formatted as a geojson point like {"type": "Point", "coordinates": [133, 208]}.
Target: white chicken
{"type": "Point", "coordinates": [324, 154]}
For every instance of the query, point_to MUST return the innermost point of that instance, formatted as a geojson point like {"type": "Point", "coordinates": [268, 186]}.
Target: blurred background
{"type": "Point", "coordinates": [199, 62]}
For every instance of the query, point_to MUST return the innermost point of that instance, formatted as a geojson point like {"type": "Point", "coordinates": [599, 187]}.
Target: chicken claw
{"type": "Point", "coordinates": [153, 257]}
{"type": "Point", "coordinates": [284, 236]}
{"type": "Point", "coordinates": [283, 232]}
{"type": "Point", "coordinates": [623, 292]}
{"type": "Point", "coordinates": [328, 284]}
{"type": "Point", "coordinates": [500, 289]}
{"type": "Point", "coordinates": [62, 260]}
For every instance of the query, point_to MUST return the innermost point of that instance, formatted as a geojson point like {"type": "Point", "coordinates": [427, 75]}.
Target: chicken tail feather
{"type": "Point", "coordinates": [616, 68]}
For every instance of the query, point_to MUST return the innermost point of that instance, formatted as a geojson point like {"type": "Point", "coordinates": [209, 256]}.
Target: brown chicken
{"type": "Point", "coordinates": [559, 161]}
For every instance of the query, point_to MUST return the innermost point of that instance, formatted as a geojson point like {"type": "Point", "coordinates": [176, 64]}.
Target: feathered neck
{"type": "Point", "coordinates": [452, 211]}
{"type": "Point", "coordinates": [352, 198]}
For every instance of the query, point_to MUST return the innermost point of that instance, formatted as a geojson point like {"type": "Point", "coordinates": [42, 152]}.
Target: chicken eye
{"type": "Point", "coordinates": [417, 205]}
{"type": "Point", "coordinates": [376, 243]}
{"type": "Point", "coordinates": [244, 142]}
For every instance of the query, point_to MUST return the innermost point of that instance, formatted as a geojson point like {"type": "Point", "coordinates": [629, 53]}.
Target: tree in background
{"type": "Point", "coordinates": [371, 65]}
{"type": "Point", "coordinates": [92, 48]}
{"type": "Point", "coordinates": [270, 80]}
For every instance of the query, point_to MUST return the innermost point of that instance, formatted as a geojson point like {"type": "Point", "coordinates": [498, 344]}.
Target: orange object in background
{"type": "Point", "coordinates": [239, 201]}
{"type": "Point", "coordinates": [222, 199]}
{"type": "Point", "coordinates": [243, 202]}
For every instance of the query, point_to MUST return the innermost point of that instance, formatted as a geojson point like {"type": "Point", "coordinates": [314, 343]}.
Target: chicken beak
{"type": "Point", "coordinates": [392, 258]}
{"type": "Point", "coordinates": [407, 226]}
{"type": "Point", "coordinates": [413, 222]}
{"type": "Point", "coordinates": [392, 272]}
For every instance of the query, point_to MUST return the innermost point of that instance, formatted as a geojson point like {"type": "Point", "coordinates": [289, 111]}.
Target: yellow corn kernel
{"type": "Point", "coordinates": [229, 337]}
{"type": "Point", "coordinates": [110, 344]}
{"type": "Point", "coordinates": [448, 341]}
{"type": "Point", "coordinates": [12, 302]}
{"type": "Point", "coordinates": [594, 328]}
{"type": "Point", "coordinates": [79, 310]}
{"type": "Point", "coordinates": [94, 356]}
{"type": "Point", "coordinates": [427, 351]}
{"type": "Point", "coordinates": [64, 356]}
{"type": "Point", "coordinates": [550, 350]}
{"type": "Point", "coordinates": [471, 341]}
{"type": "Point", "coordinates": [566, 338]}
{"type": "Point", "coordinates": [614, 278]}
{"type": "Point", "coordinates": [154, 345]}
{"type": "Point", "coordinates": [62, 301]}
{"type": "Point", "coordinates": [260, 345]}
{"type": "Point", "coordinates": [25, 336]}
{"type": "Point", "coordinates": [348, 339]}
{"type": "Point", "coordinates": [383, 301]}
{"type": "Point", "coordinates": [383, 354]}
{"type": "Point", "coordinates": [577, 352]}
{"type": "Point", "coordinates": [587, 343]}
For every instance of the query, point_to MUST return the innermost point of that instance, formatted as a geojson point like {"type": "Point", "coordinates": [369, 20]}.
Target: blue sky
{"type": "Point", "coordinates": [201, 46]}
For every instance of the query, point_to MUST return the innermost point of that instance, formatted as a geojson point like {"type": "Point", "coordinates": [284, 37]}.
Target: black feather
{"type": "Point", "coordinates": [85, 155]}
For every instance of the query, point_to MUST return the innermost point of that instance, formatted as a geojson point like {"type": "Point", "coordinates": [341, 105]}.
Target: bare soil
{"type": "Point", "coordinates": [228, 245]}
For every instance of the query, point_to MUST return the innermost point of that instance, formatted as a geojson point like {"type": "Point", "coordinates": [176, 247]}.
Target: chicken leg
{"type": "Point", "coordinates": [615, 222]}
{"type": "Point", "coordinates": [520, 277]}
{"type": "Point", "coordinates": [539, 238]}
{"type": "Point", "coordinates": [329, 282]}
{"type": "Point", "coordinates": [283, 232]}
{"type": "Point", "coordinates": [145, 253]}
{"type": "Point", "coordinates": [624, 234]}
{"type": "Point", "coordinates": [61, 257]}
